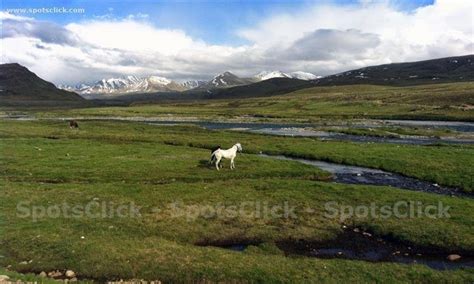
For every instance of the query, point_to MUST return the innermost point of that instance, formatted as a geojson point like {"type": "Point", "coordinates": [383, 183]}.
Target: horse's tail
{"type": "Point", "coordinates": [213, 157]}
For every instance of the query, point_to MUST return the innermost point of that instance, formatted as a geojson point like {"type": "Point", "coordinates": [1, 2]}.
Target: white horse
{"type": "Point", "coordinates": [231, 153]}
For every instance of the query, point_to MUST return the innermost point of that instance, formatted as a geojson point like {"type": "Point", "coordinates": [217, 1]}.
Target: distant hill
{"type": "Point", "coordinates": [19, 86]}
{"type": "Point", "coordinates": [443, 70]}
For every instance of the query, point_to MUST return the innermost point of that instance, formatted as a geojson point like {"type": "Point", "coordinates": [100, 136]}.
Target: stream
{"type": "Point", "coordinates": [305, 129]}
{"type": "Point", "coordinates": [361, 175]}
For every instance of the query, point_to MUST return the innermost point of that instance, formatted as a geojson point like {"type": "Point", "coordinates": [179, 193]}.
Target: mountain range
{"type": "Point", "coordinates": [126, 84]}
{"type": "Point", "coordinates": [21, 87]}
{"type": "Point", "coordinates": [155, 84]}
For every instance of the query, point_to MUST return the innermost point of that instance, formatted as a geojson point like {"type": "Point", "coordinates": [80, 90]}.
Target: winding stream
{"type": "Point", "coordinates": [304, 129]}
{"type": "Point", "coordinates": [342, 173]}
{"type": "Point", "coordinates": [307, 130]}
{"type": "Point", "coordinates": [361, 175]}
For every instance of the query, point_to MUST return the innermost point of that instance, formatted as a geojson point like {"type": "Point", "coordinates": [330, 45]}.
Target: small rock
{"type": "Point", "coordinates": [82, 237]}
{"type": "Point", "coordinates": [454, 257]}
{"type": "Point", "coordinates": [4, 278]}
{"type": "Point", "coordinates": [356, 230]}
{"type": "Point", "coordinates": [55, 274]}
{"type": "Point", "coordinates": [24, 262]}
{"type": "Point", "coordinates": [70, 274]}
{"type": "Point", "coordinates": [359, 174]}
{"type": "Point", "coordinates": [43, 274]}
{"type": "Point", "coordinates": [74, 279]}
{"type": "Point", "coordinates": [367, 234]}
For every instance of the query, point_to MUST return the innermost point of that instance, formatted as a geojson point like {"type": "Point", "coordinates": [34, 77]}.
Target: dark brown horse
{"type": "Point", "coordinates": [73, 124]}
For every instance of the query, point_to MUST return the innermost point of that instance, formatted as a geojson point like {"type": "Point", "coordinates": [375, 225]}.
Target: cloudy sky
{"type": "Point", "coordinates": [198, 39]}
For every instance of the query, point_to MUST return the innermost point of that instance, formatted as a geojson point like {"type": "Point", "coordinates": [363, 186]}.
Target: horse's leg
{"type": "Point", "coordinates": [218, 160]}
{"type": "Point", "coordinates": [232, 164]}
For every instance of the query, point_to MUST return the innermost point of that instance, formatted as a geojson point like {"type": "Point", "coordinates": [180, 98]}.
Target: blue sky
{"type": "Point", "coordinates": [212, 21]}
{"type": "Point", "coordinates": [183, 40]}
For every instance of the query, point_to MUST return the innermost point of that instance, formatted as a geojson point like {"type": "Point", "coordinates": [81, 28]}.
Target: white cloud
{"type": "Point", "coordinates": [445, 28]}
{"type": "Point", "coordinates": [131, 35]}
{"type": "Point", "coordinates": [321, 39]}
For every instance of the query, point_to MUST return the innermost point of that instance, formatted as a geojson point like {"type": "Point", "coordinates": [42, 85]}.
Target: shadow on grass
{"type": "Point", "coordinates": [208, 165]}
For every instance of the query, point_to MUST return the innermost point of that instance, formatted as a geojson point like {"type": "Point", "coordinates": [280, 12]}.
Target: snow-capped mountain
{"type": "Point", "coordinates": [303, 75]}
{"type": "Point", "coordinates": [225, 80]}
{"type": "Point", "coordinates": [191, 84]}
{"type": "Point", "coordinates": [228, 79]}
{"type": "Point", "coordinates": [265, 75]}
{"type": "Point", "coordinates": [126, 85]}
{"type": "Point", "coordinates": [154, 84]}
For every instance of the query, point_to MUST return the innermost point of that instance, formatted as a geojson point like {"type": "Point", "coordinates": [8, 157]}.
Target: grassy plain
{"type": "Point", "coordinates": [44, 163]}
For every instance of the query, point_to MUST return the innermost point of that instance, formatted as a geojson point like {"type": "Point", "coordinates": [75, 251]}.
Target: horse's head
{"type": "Point", "coordinates": [239, 147]}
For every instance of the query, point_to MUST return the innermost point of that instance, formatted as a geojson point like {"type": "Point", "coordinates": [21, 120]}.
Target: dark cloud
{"type": "Point", "coordinates": [45, 31]}
{"type": "Point", "coordinates": [40, 46]}
{"type": "Point", "coordinates": [327, 44]}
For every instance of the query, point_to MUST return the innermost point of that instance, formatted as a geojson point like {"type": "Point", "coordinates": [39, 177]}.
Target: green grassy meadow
{"type": "Point", "coordinates": [161, 168]}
